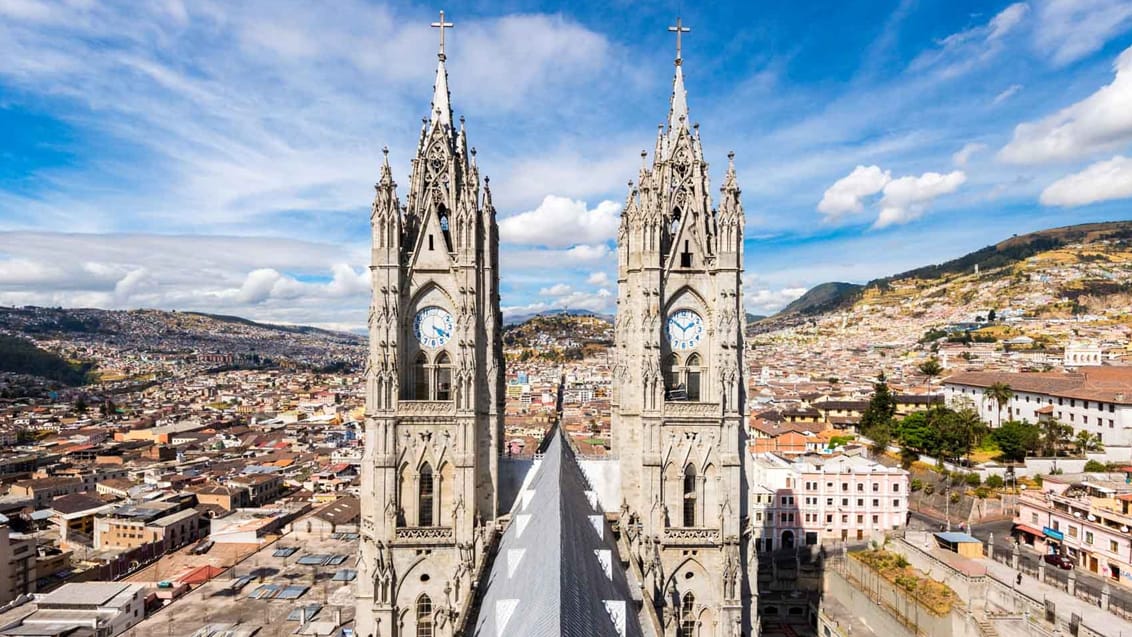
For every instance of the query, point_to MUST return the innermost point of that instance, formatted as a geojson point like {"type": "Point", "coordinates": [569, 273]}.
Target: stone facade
{"type": "Point", "coordinates": [434, 387]}
{"type": "Point", "coordinates": [679, 391]}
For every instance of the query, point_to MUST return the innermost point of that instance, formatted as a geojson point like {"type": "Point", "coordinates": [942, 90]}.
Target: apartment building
{"type": "Point", "coordinates": [17, 564]}
{"type": "Point", "coordinates": [1086, 517]}
{"type": "Point", "coordinates": [814, 498]}
{"type": "Point", "coordinates": [1093, 399]}
{"type": "Point", "coordinates": [134, 525]}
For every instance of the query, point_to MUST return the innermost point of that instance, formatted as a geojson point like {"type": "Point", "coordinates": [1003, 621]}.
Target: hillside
{"type": "Point", "coordinates": [558, 337]}
{"type": "Point", "coordinates": [1093, 243]}
{"type": "Point", "coordinates": [517, 319]}
{"type": "Point", "coordinates": [21, 356]}
{"type": "Point", "coordinates": [825, 297]}
{"type": "Point", "coordinates": [1025, 288]}
{"type": "Point", "coordinates": [181, 335]}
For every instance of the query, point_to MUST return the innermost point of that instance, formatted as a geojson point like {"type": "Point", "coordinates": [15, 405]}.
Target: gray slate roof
{"type": "Point", "coordinates": [557, 572]}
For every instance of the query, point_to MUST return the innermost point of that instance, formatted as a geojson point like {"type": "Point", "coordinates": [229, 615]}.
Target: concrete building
{"type": "Point", "coordinates": [1086, 517]}
{"type": "Point", "coordinates": [86, 608]}
{"type": "Point", "coordinates": [135, 525]}
{"type": "Point", "coordinates": [17, 564]}
{"type": "Point", "coordinates": [1093, 399]}
{"type": "Point", "coordinates": [812, 498]}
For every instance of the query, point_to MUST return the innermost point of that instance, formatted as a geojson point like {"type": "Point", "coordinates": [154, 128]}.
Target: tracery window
{"type": "Point", "coordinates": [424, 617]}
{"type": "Point", "coordinates": [690, 495]}
{"type": "Point", "coordinates": [687, 617]}
{"type": "Point", "coordinates": [425, 489]}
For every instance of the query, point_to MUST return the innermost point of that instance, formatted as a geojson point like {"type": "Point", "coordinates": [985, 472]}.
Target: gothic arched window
{"type": "Point", "coordinates": [424, 616]}
{"type": "Point", "coordinates": [687, 616]}
{"type": "Point", "coordinates": [425, 490]}
{"type": "Point", "coordinates": [443, 377]}
{"type": "Point", "coordinates": [692, 376]}
{"type": "Point", "coordinates": [419, 381]}
{"type": "Point", "coordinates": [690, 495]}
{"type": "Point", "coordinates": [671, 371]}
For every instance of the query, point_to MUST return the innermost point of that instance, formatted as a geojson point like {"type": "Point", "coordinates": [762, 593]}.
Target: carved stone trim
{"type": "Point", "coordinates": [684, 409]}
{"type": "Point", "coordinates": [691, 536]}
{"type": "Point", "coordinates": [425, 535]}
{"type": "Point", "coordinates": [426, 408]}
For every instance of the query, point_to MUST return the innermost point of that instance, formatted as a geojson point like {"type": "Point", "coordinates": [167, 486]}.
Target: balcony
{"type": "Point", "coordinates": [425, 536]}
{"type": "Point", "coordinates": [682, 536]}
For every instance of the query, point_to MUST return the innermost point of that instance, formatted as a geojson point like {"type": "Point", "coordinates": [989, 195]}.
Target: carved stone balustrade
{"type": "Point", "coordinates": [425, 409]}
{"type": "Point", "coordinates": [425, 535]}
{"type": "Point", "coordinates": [691, 536]}
{"type": "Point", "coordinates": [688, 409]}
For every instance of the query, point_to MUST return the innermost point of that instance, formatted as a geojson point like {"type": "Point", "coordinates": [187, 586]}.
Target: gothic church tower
{"type": "Point", "coordinates": [434, 386]}
{"type": "Point", "coordinates": [679, 388]}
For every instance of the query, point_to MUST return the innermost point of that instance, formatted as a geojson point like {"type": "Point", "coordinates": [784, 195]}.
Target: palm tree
{"type": "Point", "coordinates": [1001, 394]}
{"type": "Point", "coordinates": [1055, 435]}
{"type": "Point", "coordinates": [1087, 442]}
{"type": "Point", "coordinates": [931, 369]}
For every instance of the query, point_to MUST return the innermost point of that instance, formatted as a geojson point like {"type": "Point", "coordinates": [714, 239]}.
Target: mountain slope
{"type": "Point", "coordinates": [825, 297]}
{"type": "Point", "coordinates": [21, 356]}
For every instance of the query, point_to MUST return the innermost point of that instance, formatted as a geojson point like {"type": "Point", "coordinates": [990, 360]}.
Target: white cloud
{"type": "Point", "coordinates": [767, 301]}
{"type": "Point", "coordinates": [561, 222]}
{"type": "Point", "coordinates": [963, 155]}
{"type": "Point", "coordinates": [558, 289]}
{"type": "Point", "coordinates": [960, 52]}
{"type": "Point", "coordinates": [598, 278]}
{"type": "Point", "coordinates": [846, 195]}
{"type": "Point", "coordinates": [906, 198]}
{"type": "Point", "coordinates": [1102, 181]}
{"type": "Point", "coordinates": [1102, 121]}
{"type": "Point", "coordinates": [1068, 30]}
{"type": "Point", "coordinates": [1010, 92]}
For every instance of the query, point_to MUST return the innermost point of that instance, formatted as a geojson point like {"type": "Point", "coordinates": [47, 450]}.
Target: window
{"type": "Point", "coordinates": [896, 503]}
{"type": "Point", "coordinates": [876, 487]}
{"type": "Point", "coordinates": [1033, 518]}
{"type": "Point", "coordinates": [682, 382]}
{"type": "Point", "coordinates": [1072, 531]}
{"type": "Point", "coordinates": [690, 495]}
{"type": "Point", "coordinates": [693, 375]}
{"type": "Point", "coordinates": [420, 377]}
{"type": "Point", "coordinates": [686, 256]}
{"type": "Point", "coordinates": [860, 502]}
{"type": "Point", "coordinates": [424, 502]}
{"type": "Point", "coordinates": [896, 488]}
{"type": "Point", "coordinates": [829, 519]}
{"type": "Point", "coordinates": [876, 502]}
{"type": "Point", "coordinates": [1113, 546]}
{"type": "Point", "coordinates": [687, 616]}
{"type": "Point", "coordinates": [844, 502]}
{"type": "Point", "coordinates": [860, 487]}
{"type": "Point", "coordinates": [430, 245]}
{"type": "Point", "coordinates": [829, 502]}
{"type": "Point", "coordinates": [876, 519]}
{"type": "Point", "coordinates": [424, 616]}
{"type": "Point", "coordinates": [443, 377]}
{"type": "Point", "coordinates": [1088, 537]}
{"type": "Point", "coordinates": [844, 486]}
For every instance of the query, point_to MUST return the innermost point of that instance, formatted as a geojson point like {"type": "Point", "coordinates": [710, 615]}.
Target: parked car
{"type": "Point", "coordinates": [1058, 560]}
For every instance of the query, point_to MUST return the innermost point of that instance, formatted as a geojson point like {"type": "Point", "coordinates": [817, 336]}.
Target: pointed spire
{"type": "Point", "coordinates": [386, 171]}
{"type": "Point", "coordinates": [441, 98]}
{"type": "Point", "coordinates": [730, 182]}
{"type": "Point", "coordinates": [678, 113]}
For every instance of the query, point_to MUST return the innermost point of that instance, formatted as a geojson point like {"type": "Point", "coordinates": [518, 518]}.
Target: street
{"type": "Point", "coordinates": [1088, 582]}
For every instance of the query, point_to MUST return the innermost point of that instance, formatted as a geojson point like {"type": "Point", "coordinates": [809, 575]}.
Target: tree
{"type": "Point", "coordinates": [991, 316]}
{"type": "Point", "coordinates": [1016, 439]}
{"type": "Point", "coordinates": [1086, 442]}
{"type": "Point", "coordinates": [1055, 436]}
{"type": "Point", "coordinates": [931, 369]}
{"type": "Point", "coordinates": [881, 408]}
{"type": "Point", "coordinates": [1001, 394]}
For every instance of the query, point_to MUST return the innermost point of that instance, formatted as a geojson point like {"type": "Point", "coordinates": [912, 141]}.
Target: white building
{"type": "Point", "coordinates": [95, 608]}
{"type": "Point", "coordinates": [816, 498]}
{"type": "Point", "coordinates": [1093, 399]}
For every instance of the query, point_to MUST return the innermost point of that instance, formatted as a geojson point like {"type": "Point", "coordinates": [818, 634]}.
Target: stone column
{"type": "Point", "coordinates": [1072, 582]}
{"type": "Point", "coordinates": [1041, 571]}
{"type": "Point", "coordinates": [1106, 591]}
{"type": "Point", "coordinates": [1014, 558]}
{"type": "Point", "coordinates": [990, 546]}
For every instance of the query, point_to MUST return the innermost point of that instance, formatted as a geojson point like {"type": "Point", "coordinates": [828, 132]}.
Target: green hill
{"type": "Point", "coordinates": [825, 297]}
{"type": "Point", "coordinates": [21, 356]}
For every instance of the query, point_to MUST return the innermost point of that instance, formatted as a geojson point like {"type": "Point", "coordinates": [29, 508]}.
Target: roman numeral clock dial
{"type": "Point", "coordinates": [685, 330]}
{"type": "Point", "coordinates": [433, 327]}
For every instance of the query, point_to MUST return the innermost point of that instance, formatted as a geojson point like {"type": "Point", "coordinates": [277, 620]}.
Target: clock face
{"type": "Point", "coordinates": [433, 327]}
{"type": "Point", "coordinates": [685, 330]}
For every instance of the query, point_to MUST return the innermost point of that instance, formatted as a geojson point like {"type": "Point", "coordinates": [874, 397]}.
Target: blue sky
{"type": "Point", "coordinates": [220, 156]}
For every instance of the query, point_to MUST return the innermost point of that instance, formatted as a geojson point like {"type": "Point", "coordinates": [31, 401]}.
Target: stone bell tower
{"type": "Point", "coordinates": [679, 388]}
{"type": "Point", "coordinates": [434, 386]}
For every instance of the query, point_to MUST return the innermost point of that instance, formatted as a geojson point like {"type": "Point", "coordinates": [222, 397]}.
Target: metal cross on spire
{"type": "Point", "coordinates": [442, 25]}
{"type": "Point", "coordinates": [678, 29]}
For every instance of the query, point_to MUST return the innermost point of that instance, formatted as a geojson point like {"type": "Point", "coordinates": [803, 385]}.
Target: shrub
{"type": "Point", "coordinates": [929, 489]}
{"type": "Point", "coordinates": [1093, 466]}
{"type": "Point", "coordinates": [954, 497]}
{"type": "Point", "coordinates": [973, 480]}
{"type": "Point", "coordinates": [982, 493]}
{"type": "Point", "coordinates": [917, 484]}
{"type": "Point", "coordinates": [995, 482]}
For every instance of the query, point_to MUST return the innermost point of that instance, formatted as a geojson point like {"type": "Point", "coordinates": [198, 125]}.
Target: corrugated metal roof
{"type": "Point", "coordinates": [557, 572]}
